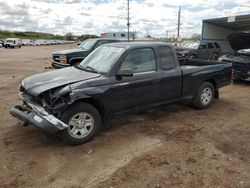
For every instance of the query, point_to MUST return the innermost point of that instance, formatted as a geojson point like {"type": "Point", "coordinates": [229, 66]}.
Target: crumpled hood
{"type": "Point", "coordinates": [41, 82]}
{"type": "Point", "coordinates": [240, 40]}
{"type": "Point", "coordinates": [235, 59]}
{"type": "Point", "coordinates": [71, 51]}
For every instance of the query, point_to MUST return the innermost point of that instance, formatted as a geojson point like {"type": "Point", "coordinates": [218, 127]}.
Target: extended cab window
{"type": "Point", "coordinates": [140, 60]}
{"type": "Point", "coordinates": [166, 58]}
{"type": "Point", "coordinates": [217, 45]}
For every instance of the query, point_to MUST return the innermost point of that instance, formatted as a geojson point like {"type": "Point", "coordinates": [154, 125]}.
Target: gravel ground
{"type": "Point", "coordinates": [170, 146]}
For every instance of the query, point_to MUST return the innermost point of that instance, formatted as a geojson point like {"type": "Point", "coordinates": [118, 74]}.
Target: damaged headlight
{"type": "Point", "coordinates": [55, 96]}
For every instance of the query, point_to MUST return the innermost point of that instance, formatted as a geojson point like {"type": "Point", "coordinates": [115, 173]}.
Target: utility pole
{"type": "Point", "coordinates": [167, 35]}
{"type": "Point", "coordinates": [179, 23]}
{"type": "Point", "coordinates": [128, 19]}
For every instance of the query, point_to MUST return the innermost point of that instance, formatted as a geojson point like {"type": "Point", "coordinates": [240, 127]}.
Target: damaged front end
{"type": "Point", "coordinates": [43, 111]}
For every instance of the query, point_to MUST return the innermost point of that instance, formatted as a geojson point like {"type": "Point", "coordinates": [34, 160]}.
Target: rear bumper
{"type": "Point", "coordinates": [37, 116]}
{"type": "Point", "coordinates": [59, 65]}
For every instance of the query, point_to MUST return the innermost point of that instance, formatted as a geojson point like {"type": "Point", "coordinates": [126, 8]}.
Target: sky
{"type": "Point", "coordinates": [99, 16]}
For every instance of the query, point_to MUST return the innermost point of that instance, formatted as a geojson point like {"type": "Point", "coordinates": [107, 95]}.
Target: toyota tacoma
{"type": "Point", "coordinates": [75, 102]}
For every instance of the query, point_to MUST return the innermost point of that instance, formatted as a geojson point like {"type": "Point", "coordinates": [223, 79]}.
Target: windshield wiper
{"type": "Point", "coordinates": [88, 68]}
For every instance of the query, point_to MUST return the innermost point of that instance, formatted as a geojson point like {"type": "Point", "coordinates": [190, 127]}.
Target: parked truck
{"type": "Point", "coordinates": [75, 102]}
{"type": "Point", "coordinates": [73, 57]}
{"type": "Point", "coordinates": [13, 43]}
{"type": "Point", "coordinates": [200, 50]}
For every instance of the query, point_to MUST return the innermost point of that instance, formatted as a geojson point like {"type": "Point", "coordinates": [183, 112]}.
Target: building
{"type": "Point", "coordinates": [119, 35]}
{"type": "Point", "coordinates": [218, 29]}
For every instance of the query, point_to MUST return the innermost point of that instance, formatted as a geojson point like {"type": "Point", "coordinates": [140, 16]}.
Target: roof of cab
{"type": "Point", "coordinates": [136, 44]}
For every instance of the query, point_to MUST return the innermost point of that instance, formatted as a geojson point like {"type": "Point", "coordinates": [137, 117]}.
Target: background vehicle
{"type": "Point", "coordinates": [75, 56]}
{"type": "Point", "coordinates": [1, 43]}
{"type": "Point", "coordinates": [200, 50]}
{"type": "Point", "coordinates": [27, 42]}
{"type": "Point", "coordinates": [240, 42]}
{"type": "Point", "coordinates": [115, 78]}
{"type": "Point", "coordinates": [13, 43]}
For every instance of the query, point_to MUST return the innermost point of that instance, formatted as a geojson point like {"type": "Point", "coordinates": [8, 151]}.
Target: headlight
{"type": "Point", "coordinates": [61, 58]}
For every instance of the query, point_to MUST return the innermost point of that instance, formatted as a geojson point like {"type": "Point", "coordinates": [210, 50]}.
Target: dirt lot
{"type": "Point", "coordinates": [171, 146]}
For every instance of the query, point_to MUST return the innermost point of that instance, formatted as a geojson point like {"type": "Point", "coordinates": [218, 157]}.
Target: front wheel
{"type": "Point", "coordinates": [84, 122]}
{"type": "Point", "coordinates": [204, 96]}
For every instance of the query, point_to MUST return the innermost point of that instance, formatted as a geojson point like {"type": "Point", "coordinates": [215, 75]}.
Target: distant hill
{"type": "Point", "coordinates": [29, 35]}
{"type": "Point", "coordinates": [38, 35]}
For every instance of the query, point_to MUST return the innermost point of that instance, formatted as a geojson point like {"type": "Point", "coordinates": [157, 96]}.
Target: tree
{"type": "Point", "coordinates": [68, 36]}
{"type": "Point", "coordinates": [196, 36]}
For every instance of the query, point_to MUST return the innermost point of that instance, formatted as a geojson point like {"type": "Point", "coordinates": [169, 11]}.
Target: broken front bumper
{"type": "Point", "coordinates": [36, 115]}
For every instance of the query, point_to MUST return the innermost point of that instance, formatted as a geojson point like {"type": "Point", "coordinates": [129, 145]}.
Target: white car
{"type": "Point", "coordinates": [13, 43]}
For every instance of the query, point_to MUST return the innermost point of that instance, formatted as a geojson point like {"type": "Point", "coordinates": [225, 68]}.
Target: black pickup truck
{"type": "Point", "coordinates": [76, 101]}
{"type": "Point", "coordinates": [73, 57]}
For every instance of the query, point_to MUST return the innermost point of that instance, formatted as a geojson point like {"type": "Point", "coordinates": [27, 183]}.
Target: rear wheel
{"type": "Point", "coordinates": [83, 121]}
{"type": "Point", "coordinates": [204, 96]}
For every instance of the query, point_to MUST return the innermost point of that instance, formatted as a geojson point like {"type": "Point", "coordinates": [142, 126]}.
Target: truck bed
{"type": "Point", "coordinates": [194, 72]}
{"type": "Point", "coordinates": [198, 62]}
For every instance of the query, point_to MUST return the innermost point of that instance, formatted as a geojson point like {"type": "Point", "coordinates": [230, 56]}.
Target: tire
{"type": "Point", "coordinates": [80, 114]}
{"type": "Point", "coordinates": [204, 97]}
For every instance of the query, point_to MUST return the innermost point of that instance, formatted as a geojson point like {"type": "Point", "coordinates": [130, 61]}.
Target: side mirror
{"type": "Point", "coordinates": [125, 73]}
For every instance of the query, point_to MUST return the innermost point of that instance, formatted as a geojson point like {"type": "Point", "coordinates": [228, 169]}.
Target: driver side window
{"type": "Point", "coordinates": [99, 43]}
{"type": "Point", "coordinates": [140, 60]}
{"type": "Point", "coordinates": [203, 46]}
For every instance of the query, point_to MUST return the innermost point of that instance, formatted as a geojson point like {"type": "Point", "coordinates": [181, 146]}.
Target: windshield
{"type": "Point", "coordinates": [102, 59]}
{"type": "Point", "coordinates": [87, 44]}
{"type": "Point", "coordinates": [193, 45]}
{"type": "Point", "coordinates": [10, 41]}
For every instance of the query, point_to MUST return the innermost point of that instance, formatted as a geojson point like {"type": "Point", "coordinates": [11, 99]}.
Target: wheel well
{"type": "Point", "coordinates": [98, 105]}
{"type": "Point", "coordinates": [213, 81]}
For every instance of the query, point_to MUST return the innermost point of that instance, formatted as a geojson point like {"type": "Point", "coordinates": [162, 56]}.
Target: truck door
{"type": "Point", "coordinates": [144, 87]}
{"type": "Point", "coordinates": [203, 52]}
{"type": "Point", "coordinates": [172, 75]}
